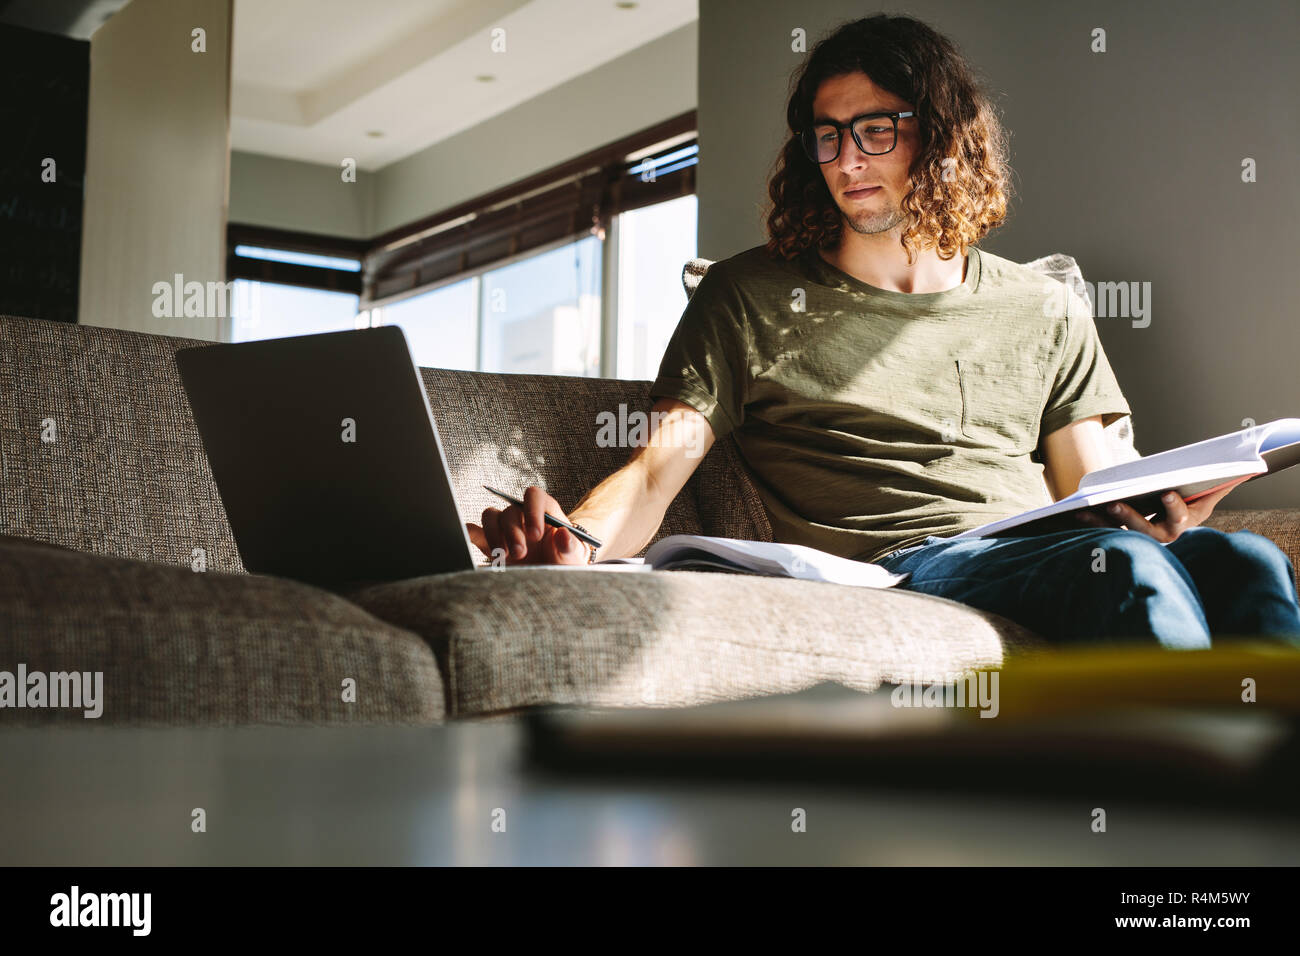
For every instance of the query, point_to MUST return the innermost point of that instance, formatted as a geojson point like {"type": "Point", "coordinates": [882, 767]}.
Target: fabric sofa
{"type": "Point", "coordinates": [116, 557]}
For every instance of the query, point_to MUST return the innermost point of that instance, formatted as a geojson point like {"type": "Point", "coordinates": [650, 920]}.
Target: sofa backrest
{"type": "Point", "coordinates": [126, 473]}
{"type": "Point", "coordinates": [99, 449]}
{"type": "Point", "coordinates": [1058, 266]}
{"type": "Point", "coordinates": [515, 430]}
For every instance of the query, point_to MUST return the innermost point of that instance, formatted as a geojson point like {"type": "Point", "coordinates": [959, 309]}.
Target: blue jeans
{"type": "Point", "coordinates": [1112, 584]}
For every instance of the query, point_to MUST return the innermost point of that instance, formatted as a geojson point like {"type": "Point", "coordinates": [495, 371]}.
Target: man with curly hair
{"type": "Point", "coordinates": [889, 384]}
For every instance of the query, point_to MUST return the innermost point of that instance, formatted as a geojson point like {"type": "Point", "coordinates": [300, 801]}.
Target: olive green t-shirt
{"type": "Point", "coordinates": [871, 419]}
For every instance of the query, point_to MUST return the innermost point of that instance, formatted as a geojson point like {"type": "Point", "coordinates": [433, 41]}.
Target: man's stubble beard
{"type": "Point", "coordinates": [870, 224]}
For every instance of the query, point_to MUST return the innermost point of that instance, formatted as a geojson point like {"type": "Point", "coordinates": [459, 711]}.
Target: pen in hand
{"type": "Point", "coordinates": [550, 519]}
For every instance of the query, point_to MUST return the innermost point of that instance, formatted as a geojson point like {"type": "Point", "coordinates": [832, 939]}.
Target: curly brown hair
{"type": "Point", "coordinates": [957, 121]}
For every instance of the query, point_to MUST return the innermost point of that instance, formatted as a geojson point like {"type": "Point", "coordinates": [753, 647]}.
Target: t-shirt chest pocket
{"type": "Point", "coordinates": [1001, 403]}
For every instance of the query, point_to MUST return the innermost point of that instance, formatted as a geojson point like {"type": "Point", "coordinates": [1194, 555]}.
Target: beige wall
{"type": "Point", "coordinates": [157, 163]}
{"type": "Point", "coordinates": [306, 197]}
{"type": "Point", "coordinates": [1128, 160]}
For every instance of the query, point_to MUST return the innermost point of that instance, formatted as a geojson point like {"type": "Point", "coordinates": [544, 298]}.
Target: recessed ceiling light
{"type": "Point", "coordinates": [374, 133]}
{"type": "Point", "coordinates": [626, 5]}
{"type": "Point", "coordinates": [485, 77]}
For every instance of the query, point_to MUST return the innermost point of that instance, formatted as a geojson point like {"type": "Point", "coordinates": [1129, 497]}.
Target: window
{"type": "Point", "coordinates": [267, 310]}
{"type": "Point", "coordinates": [654, 243]}
{"type": "Point", "coordinates": [298, 258]}
{"type": "Point", "coordinates": [441, 326]}
{"type": "Point", "coordinates": [280, 292]}
{"type": "Point", "coordinates": [573, 271]}
{"type": "Point", "coordinates": [539, 315]}
{"type": "Point", "coordinates": [543, 314]}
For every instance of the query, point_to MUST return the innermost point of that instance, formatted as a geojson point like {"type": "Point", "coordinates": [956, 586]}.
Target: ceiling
{"type": "Point", "coordinates": [378, 80]}
{"type": "Point", "coordinates": [315, 80]}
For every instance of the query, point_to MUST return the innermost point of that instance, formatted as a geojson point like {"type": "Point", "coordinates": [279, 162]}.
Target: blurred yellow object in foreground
{"type": "Point", "coordinates": [1064, 681]}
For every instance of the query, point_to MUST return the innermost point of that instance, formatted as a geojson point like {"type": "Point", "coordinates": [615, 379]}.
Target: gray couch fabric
{"type": "Point", "coordinates": [178, 647]}
{"type": "Point", "coordinates": [101, 527]}
{"type": "Point", "coordinates": [524, 636]}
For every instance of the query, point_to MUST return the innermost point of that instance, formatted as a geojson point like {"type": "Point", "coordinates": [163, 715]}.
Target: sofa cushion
{"type": "Point", "coordinates": [526, 636]}
{"type": "Point", "coordinates": [180, 647]}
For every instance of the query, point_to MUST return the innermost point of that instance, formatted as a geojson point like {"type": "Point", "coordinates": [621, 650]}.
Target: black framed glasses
{"type": "Point", "coordinates": [871, 132]}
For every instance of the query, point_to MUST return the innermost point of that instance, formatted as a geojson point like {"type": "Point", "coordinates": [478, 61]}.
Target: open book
{"type": "Point", "coordinates": [1193, 471]}
{"type": "Point", "coordinates": [695, 552]}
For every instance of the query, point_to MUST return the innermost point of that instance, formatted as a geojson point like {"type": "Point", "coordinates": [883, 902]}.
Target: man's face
{"type": "Point", "coordinates": [841, 98]}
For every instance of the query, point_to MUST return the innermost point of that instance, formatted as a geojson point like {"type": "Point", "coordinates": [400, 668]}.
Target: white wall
{"type": "Point", "coordinates": [157, 163]}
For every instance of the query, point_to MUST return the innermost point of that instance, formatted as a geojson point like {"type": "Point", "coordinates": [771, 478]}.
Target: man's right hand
{"type": "Point", "coordinates": [524, 536]}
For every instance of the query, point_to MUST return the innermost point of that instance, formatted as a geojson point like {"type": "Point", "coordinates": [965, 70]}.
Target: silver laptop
{"type": "Point", "coordinates": [327, 458]}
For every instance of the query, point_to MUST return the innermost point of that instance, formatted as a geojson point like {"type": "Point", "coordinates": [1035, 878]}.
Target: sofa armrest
{"type": "Point", "coordinates": [1279, 525]}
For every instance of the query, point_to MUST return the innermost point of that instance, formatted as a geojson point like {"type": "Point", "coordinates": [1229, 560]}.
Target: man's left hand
{"type": "Point", "coordinates": [1179, 515]}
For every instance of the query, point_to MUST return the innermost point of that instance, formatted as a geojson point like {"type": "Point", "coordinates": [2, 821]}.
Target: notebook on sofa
{"type": "Point", "coordinates": [696, 552]}
{"type": "Point", "coordinates": [1193, 471]}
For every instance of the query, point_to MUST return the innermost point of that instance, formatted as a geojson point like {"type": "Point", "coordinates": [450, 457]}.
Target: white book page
{"type": "Point", "coordinates": [1187, 483]}
{"type": "Point", "coordinates": [1242, 447]}
{"type": "Point", "coordinates": [786, 560]}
